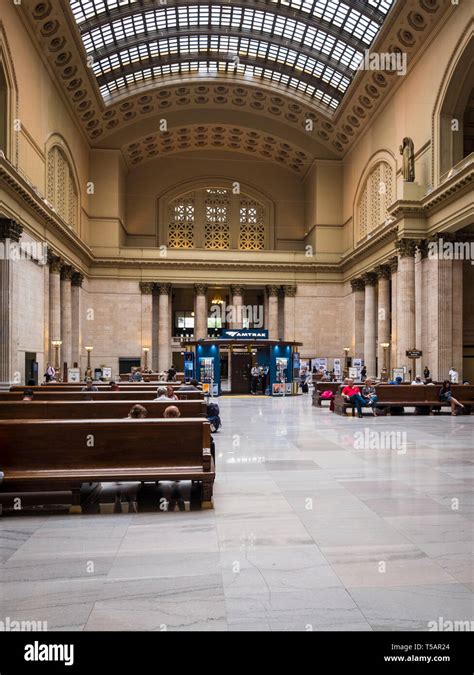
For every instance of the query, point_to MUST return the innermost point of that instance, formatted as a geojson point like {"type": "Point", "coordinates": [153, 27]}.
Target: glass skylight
{"type": "Point", "coordinates": [311, 46]}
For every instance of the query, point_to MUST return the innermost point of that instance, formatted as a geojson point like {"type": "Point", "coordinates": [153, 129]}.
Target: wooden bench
{"type": "Point", "coordinates": [135, 396]}
{"type": "Point", "coordinates": [148, 377]}
{"type": "Point", "coordinates": [319, 387]}
{"type": "Point", "coordinates": [72, 410]}
{"type": "Point", "coordinates": [412, 396]}
{"type": "Point", "coordinates": [101, 386]}
{"type": "Point", "coordinates": [49, 455]}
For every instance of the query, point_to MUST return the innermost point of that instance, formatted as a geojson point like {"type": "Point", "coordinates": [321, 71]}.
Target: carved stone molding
{"type": "Point", "coordinates": [393, 264]}
{"type": "Point", "coordinates": [200, 289]}
{"type": "Point", "coordinates": [146, 287]}
{"type": "Point", "coordinates": [10, 229]}
{"type": "Point", "coordinates": [370, 278]}
{"type": "Point", "coordinates": [406, 247]}
{"type": "Point", "coordinates": [163, 288]}
{"type": "Point", "coordinates": [236, 289]}
{"type": "Point", "coordinates": [383, 272]}
{"type": "Point", "coordinates": [273, 291]}
{"type": "Point", "coordinates": [77, 279]}
{"type": "Point", "coordinates": [289, 291]}
{"type": "Point", "coordinates": [357, 285]}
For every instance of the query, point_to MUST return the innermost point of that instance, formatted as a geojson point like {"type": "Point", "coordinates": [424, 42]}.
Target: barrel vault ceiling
{"type": "Point", "coordinates": [283, 71]}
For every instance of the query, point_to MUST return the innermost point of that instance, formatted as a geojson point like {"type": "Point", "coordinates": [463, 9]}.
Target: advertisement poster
{"type": "Point", "coordinates": [353, 372]}
{"type": "Point", "coordinates": [321, 364]}
{"type": "Point", "coordinates": [277, 389]}
{"type": "Point", "coordinates": [337, 367]}
{"type": "Point", "coordinates": [399, 372]}
{"type": "Point", "coordinates": [107, 373]}
{"type": "Point", "coordinates": [73, 375]}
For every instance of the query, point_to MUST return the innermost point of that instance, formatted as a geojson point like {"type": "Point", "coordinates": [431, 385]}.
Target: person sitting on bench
{"type": "Point", "coordinates": [171, 411]}
{"type": "Point", "coordinates": [446, 395]}
{"type": "Point", "coordinates": [352, 394]}
{"type": "Point", "coordinates": [162, 395]}
{"type": "Point", "coordinates": [28, 395]}
{"type": "Point", "coordinates": [137, 412]}
{"type": "Point", "coordinates": [369, 393]}
{"type": "Point", "coordinates": [189, 386]}
{"type": "Point", "coordinates": [170, 393]}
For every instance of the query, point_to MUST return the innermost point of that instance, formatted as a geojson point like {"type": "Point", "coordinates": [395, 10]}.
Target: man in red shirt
{"type": "Point", "coordinates": [352, 394]}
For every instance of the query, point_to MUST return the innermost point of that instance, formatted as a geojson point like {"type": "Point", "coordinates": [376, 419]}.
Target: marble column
{"type": "Point", "coordinates": [423, 317]}
{"type": "Point", "coordinates": [383, 313]}
{"type": "Point", "coordinates": [272, 319]}
{"type": "Point", "coordinates": [457, 309]}
{"type": "Point", "coordinates": [405, 302]}
{"type": "Point", "coordinates": [146, 288]}
{"type": "Point", "coordinates": [393, 264]}
{"type": "Point", "coordinates": [418, 306]}
{"type": "Point", "coordinates": [200, 311]}
{"type": "Point", "coordinates": [66, 315]}
{"type": "Point", "coordinates": [370, 324]}
{"type": "Point", "coordinates": [237, 293]}
{"type": "Point", "coordinates": [358, 294]}
{"type": "Point", "coordinates": [10, 233]}
{"type": "Point", "coordinates": [76, 306]}
{"type": "Point", "coordinates": [164, 328]}
{"type": "Point", "coordinates": [289, 293]}
{"type": "Point", "coordinates": [55, 264]}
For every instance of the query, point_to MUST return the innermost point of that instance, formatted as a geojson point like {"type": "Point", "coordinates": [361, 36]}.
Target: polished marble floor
{"type": "Point", "coordinates": [320, 523]}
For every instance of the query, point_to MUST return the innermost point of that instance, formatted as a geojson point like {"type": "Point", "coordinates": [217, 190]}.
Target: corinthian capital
{"type": "Point", "coordinates": [357, 284]}
{"type": "Point", "coordinates": [10, 229]}
{"type": "Point", "coordinates": [200, 289]}
{"type": "Point", "coordinates": [236, 289]}
{"type": "Point", "coordinates": [146, 287]}
{"type": "Point", "coordinates": [273, 291]}
{"type": "Point", "coordinates": [164, 288]}
{"type": "Point", "coordinates": [406, 247]}
{"type": "Point", "coordinates": [289, 291]}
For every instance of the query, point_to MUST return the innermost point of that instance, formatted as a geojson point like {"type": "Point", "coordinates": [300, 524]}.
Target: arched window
{"type": "Point", "coordinates": [61, 186]}
{"type": "Point", "coordinates": [375, 197]}
{"type": "Point", "coordinates": [216, 218]}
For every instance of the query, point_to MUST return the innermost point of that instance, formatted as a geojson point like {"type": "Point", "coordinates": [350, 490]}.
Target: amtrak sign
{"type": "Point", "coordinates": [244, 334]}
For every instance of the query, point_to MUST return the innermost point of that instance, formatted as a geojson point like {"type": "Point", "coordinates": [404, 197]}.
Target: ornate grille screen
{"type": "Point", "coordinates": [181, 224]}
{"type": "Point", "coordinates": [218, 219]}
{"type": "Point", "coordinates": [216, 227]}
{"type": "Point", "coordinates": [375, 199]}
{"type": "Point", "coordinates": [61, 187]}
{"type": "Point", "coordinates": [252, 226]}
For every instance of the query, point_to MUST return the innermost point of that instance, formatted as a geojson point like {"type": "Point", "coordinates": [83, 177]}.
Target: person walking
{"type": "Point", "coordinates": [254, 373]}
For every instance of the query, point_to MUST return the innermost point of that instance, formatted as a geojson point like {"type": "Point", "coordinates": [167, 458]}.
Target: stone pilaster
{"type": "Point", "coordinates": [383, 312]}
{"type": "Point", "coordinates": [393, 264]}
{"type": "Point", "coordinates": [289, 293]}
{"type": "Point", "coordinates": [418, 306]}
{"type": "Point", "coordinates": [66, 314]}
{"type": "Point", "coordinates": [55, 264]}
{"type": "Point", "coordinates": [200, 311]}
{"type": "Point", "coordinates": [76, 305]}
{"type": "Point", "coordinates": [358, 295]}
{"type": "Point", "coordinates": [370, 324]}
{"type": "Point", "coordinates": [405, 301]}
{"type": "Point", "coordinates": [272, 319]}
{"type": "Point", "coordinates": [164, 328]}
{"type": "Point", "coordinates": [237, 294]}
{"type": "Point", "coordinates": [146, 289]}
{"type": "Point", "coordinates": [10, 233]}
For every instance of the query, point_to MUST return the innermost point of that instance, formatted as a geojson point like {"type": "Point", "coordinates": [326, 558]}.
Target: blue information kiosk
{"type": "Point", "coordinates": [224, 364]}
